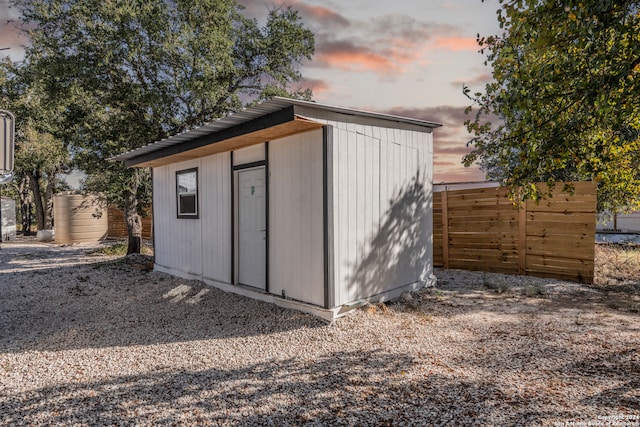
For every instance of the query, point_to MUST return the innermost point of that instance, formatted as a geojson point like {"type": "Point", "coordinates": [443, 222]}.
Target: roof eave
{"type": "Point", "coordinates": [245, 128]}
{"type": "Point", "coordinates": [259, 123]}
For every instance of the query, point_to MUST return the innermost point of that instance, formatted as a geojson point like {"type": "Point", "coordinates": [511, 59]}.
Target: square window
{"type": "Point", "coordinates": [187, 192]}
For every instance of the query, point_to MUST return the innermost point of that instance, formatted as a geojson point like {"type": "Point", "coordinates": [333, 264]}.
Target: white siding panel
{"type": "Point", "coordinates": [200, 247]}
{"type": "Point", "coordinates": [162, 204]}
{"type": "Point", "coordinates": [178, 241]}
{"type": "Point", "coordinates": [216, 217]}
{"type": "Point", "coordinates": [251, 154]}
{"type": "Point", "coordinates": [296, 248]}
{"type": "Point", "coordinates": [356, 170]}
{"type": "Point", "coordinates": [382, 216]}
{"type": "Point", "coordinates": [342, 237]}
{"type": "Point", "coordinates": [351, 186]}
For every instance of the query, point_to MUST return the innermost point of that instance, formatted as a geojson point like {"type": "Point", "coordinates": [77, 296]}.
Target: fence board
{"type": "Point", "coordinates": [538, 261]}
{"type": "Point", "coordinates": [482, 227]}
{"type": "Point", "coordinates": [484, 230]}
{"type": "Point", "coordinates": [567, 208]}
{"type": "Point", "coordinates": [546, 230]}
{"type": "Point", "coordinates": [496, 245]}
{"type": "Point", "coordinates": [561, 217]}
{"type": "Point", "coordinates": [444, 224]}
{"type": "Point", "coordinates": [493, 217]}
{"type": "Point", "coordinates": [559, 244]}
{"type": "Point", "coordinates": [118, 225]}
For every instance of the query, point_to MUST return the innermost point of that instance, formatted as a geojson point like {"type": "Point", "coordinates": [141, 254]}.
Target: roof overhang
{"type": "Point", "coordinates": [266, 128]}
{"type": "Point", "coordinates": [264, 122]}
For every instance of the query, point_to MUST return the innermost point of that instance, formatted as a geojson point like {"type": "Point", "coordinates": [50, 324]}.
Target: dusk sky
{"type": "Point", "coordinates": [404, 57]}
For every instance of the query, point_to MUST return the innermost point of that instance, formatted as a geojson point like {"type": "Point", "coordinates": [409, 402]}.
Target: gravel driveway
{"type": "Point", "coordinates": [95, 340]}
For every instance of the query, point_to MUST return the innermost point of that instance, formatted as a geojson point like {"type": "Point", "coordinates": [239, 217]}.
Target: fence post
{"type": "Point", "coordinates": [445, 229]}
{"type": "Point", "coordinates": [522, 238]}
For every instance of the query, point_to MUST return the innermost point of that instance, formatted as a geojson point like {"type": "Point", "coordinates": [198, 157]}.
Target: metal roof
{"type": "Point", "coordinates": [251, 113]}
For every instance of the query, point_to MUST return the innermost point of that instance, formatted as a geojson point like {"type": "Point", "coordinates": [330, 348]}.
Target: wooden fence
{"type": "Point", "coordinates": [481, 229]}
{"type": "Point", "coordinates": [118, 226]}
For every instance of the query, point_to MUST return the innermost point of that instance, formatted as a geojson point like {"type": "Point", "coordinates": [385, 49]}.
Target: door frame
{"type": "Point", "coordinates": [235, 190]}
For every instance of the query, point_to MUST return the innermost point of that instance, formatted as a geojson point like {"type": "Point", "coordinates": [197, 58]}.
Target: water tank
{"type": "Point", "coordinates": [7, 219]}
{"type": "Point", "coordinates": [80, 217]}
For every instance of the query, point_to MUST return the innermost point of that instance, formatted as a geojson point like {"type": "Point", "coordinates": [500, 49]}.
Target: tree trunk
{"type": "Point", "coordinates": [134, 223]}
{"type": "Point", "coordinates": [48, 203]}
{"type": "Point", "coordinates": [30, 216]}
{"type": "Point", "coordinates": [25, 206]}
{"type": "Point", "coordinates": [34, 181]}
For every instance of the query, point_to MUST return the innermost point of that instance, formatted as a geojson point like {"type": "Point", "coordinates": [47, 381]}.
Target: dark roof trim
{"type": "Point", "coordinates": [356, 112]}
{"type": "Point", "coordinates": [263, 122]}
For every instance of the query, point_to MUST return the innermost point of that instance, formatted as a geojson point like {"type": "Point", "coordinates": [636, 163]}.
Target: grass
{"type": "Point", "coordinates": [119, 249]}
{"type": "Point", "coordinates": [617, 269]}
{"type": "Point", "coordinates": [534, 290]}
{"type": "Point", "coordinates": [634, 307]}
{"type": "Point", "coordinates": [618, 262]}
{"type": "Point", "coordinates": [499, 287]}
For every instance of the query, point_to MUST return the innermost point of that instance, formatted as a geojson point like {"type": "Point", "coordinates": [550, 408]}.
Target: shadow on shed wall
{"type": "Point", "coordinates": [400, 253]}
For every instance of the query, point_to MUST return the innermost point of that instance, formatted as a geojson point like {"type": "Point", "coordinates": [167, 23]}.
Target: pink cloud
{"type": "Point", "coordinates": [322, 14]}
{"type": "Point", "coordinates": [456, 43]}
{"type": "Point", "coordinates": [447, 160]}
{"type": "Point", "coordinates": [450, 173]}
{"type": "Point", "coordinates": [376, 47]}
{"type": "Point", "coordinates": [10, 35]}
{"type": "Point", "coordinates": [350, 56]}
{"type": "Point", "coordinates": [386, 45]}
{"type": "Point", "coordinates": [359, 61]}
{"type": "Point", "coordinates": [316, 85]}
{"type": "Point", "coordinates": [480, 79]}
{"type": "Point", "coordinates": [318, 14]}
{"type": "Point", "coordinates": [449, 142]}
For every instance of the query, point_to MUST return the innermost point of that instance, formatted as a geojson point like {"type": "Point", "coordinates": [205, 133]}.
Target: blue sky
{"type": "Point", "coordinates": [405, 57]}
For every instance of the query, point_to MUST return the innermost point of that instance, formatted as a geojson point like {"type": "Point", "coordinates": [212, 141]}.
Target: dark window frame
{"type": "Point", "coordinates": [196, 204]}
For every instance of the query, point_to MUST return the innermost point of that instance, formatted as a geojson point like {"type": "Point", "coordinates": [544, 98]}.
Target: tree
{"type": "Point", "coordinates": [131, 73]}
{"type": "Point", "coordinates": [566, 79]}
{"type": "Point", "coordinates": [39, 157]}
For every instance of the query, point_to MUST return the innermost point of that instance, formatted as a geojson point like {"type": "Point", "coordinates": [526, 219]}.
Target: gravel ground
{"type": "Point", "coordinates": [96, 340]}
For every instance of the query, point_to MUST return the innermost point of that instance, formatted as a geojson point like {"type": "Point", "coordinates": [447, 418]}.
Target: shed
{"type": "Point", "coordinates": [306, 205]}
{"type": "Point", "coordinates": [7, 219]}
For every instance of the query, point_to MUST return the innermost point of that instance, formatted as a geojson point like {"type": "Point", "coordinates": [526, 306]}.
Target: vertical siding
{"type": "Point", "coordinates": [215, 217]}
{"type": "Point", "coordinates": [201, 247]}
{"type": "Point", "coordinates": [164, 206]}
{"type": "Point", "coordinates": [296, 260]}
{"type": "Point", "coordinates": [381, 206]}
{"type": "Point", "coordinates": [178, 242]}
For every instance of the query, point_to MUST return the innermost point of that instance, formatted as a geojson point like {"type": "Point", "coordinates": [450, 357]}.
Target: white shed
{"type": "Point", "coordinates": [7, 219]}
{"type": "Point", "coordinates": [309, 206]}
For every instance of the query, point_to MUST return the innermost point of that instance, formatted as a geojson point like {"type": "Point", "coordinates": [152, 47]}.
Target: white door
{"type": "Point", "coordinates": [252, 228]}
